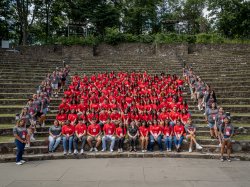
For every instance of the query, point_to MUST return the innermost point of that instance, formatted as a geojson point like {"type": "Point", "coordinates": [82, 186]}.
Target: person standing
{"type": "Point", "coordinates": [20, 133]}
{"type": "Point", "coordinates": [227, 132]}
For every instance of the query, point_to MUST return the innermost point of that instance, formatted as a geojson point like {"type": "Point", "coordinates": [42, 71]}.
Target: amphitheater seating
{"type": "Point", "coordinates": [227, 73]}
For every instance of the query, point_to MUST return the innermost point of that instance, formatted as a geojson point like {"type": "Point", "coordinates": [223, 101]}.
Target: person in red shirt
{"type": "Point", "coordinates": [109, 135]}
{"type": "Point", "coordinates": [174, 115]}
{"type": "Point", "coordinates": [72, 117]}
{"type": "Point", "coordinates": [143, 130]}
{"type": "Point", "coordinates": [64, 105]}
{"type": "Point", "coordinates": [184, 116]}
{"type": "Point", "coordinates": [94, 133]}
{"type": "Point", "coordinates": [155, 136]}
{"type": "Point", "coordinates": [120, 133]}
{"type": "Point", "coordinates": [68, 134]}
{"type": "Point", "coordinates": [115, 117]}
{"type": "Point", "coordinates": [167, 135]}
{"type": "Point", "coordinates": [80, 136]}
{"type": "Point", "coordinates": [61, 116]}
{"type": "Point", "coordinates": [178, 134]}
{"type": "Point", "coordinates": [103, 117]}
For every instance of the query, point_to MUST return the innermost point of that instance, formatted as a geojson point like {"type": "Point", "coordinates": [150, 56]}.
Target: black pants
{"type": "Point", "coordinates": [120, 143]}
{"type": "Point", "coordinates": [132, 142]}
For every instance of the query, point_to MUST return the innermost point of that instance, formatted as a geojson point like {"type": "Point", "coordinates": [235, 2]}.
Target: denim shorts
{"type": "Point", "coordinates": [211, 125]}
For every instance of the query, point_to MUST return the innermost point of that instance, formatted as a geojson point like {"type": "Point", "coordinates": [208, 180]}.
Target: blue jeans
{"type": "Point", "coordinates": [152, 141]}
{"type": "Point", "coordinates": [53, 143]}
{"type": "Point", "coordinates": [20, 148]}
{"type": "Point", "coordinates": [106, 138]}
{"type": "Point", "coordinates": [76, 140]}
{"type": "Point", "coordinates": [67, 141]}
{"type": "Point", "coordinates": [178, 142]}
{"type": "Point", "coordinates": [168, 142]}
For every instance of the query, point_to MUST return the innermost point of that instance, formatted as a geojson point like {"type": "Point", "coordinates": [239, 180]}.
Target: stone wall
{"type": "Point", "coordinates": [130, 49]}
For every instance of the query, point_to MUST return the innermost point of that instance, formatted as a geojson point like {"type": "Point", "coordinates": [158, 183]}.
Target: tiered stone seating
{"type": "Point", "coordinates": [20, 76]}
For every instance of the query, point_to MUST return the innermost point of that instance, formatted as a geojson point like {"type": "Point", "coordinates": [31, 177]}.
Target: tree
{"type": "Point", "coordinates": [231, 17]}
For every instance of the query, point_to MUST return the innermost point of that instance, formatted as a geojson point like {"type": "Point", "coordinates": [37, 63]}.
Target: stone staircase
{"type": "Point", "coordinates": [227, 74]}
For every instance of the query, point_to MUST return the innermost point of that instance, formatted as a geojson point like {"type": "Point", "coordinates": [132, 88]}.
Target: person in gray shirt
{"type": "Point", "coordinates": [21, 136]}
{"type": "Point", "coordinates": [54, 136]}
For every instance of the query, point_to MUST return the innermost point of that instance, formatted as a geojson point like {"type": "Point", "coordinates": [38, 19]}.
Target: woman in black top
{"type": "Point", "coordinates": [133, 136]}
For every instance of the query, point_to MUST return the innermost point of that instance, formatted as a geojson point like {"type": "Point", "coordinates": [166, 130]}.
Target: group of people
{"type": "Point", "coordinates": [115, 106]}
{"type": "Point", "coordinates": [219, 122]}
{"type": "Point", "coordinates": [34, 113]}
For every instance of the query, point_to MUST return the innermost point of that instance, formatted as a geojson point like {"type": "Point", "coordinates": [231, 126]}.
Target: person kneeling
{"type": "Point", "coordinates": [94, 132]}
{"type": "Point", "coordinates": [109, 131]}
{"type": "Point", "coordinates": [68, 134]}
{"type": "Point", "coordinates": [80, 136]}
{"type": "Point", "coordinates": [190, 130]}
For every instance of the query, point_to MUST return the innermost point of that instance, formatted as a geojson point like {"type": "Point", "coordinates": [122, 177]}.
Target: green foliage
{"type": "Point", "coordinates": [209, 38]}
{"type": "Point", "coordinates": [74, 40]}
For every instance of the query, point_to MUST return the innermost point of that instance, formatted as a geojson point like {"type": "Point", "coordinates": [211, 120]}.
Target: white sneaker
{"type": "Point", "coordinates": [198, 147]}
{"type": "Point", "coordinates": [169, 150]}
{"type": "Point", "coordinates": [65, 152]}
{"type": "Point", "coordinates": [190, 150]}
{"type": "Point", "coordinates": [121, 150]}
{"type": "Point", "coordinates": [27, 145]}
{"type": "Point", "coordinates": [95, 149]}
{"type": "Point", "coordinates": [91, 149]}
{"type": "Point", "coordinates": [220, 145]}
{"type": "Point", "coordinates": [43, 125]}
{"type": "Point", "coordinates": [111, 150]}
{"type": "Point", "coordinates": [81, 152]}
{"type": "Point", "coordinates": [19, 163]}
{"type": "Point", "coordinates": [103, 150]}
{"type": "Point", "coordinates": [32, 139]}
{"type": "Point", "coordinates": [75, 152]}
{"type": "Point", "coordinates": [145, 150]}
{"type": "Point", "coordinates": [22, 161]}
{"type": "Point", "coordinates": [142, 151]}
{"type": "Point", "coordinates": [70, 152]}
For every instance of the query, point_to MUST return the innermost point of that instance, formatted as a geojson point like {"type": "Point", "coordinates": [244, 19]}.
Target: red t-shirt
{"type": "Point", "coordinates": [120, 131]}
{"type": "Point", "coordinates": [103, 116]}
{"type": "Point", "coordinates": [80, 128]}
{"type": "Point", "coordinates": [68, 129]}
{"type": "Point", "coordinates": [178, 129]}
{"type": "Point", "coordinates": [167, 130]}
{"type": "Point", "coordinates": [109, 129]}
{"type": "Point", "coordinates": [174, 115]}
{"type": "Point", "coordinates": [64, 106]}
{"type": "Point", "coordinates": [62, 117]}
{"type": "Point", "coordinates": [72, 117]}
{"type": "Point", "coordinates": [116, 116]}
{"type": "Point", "coordinates": [94, 129]}
{"type": "Point", "coordinates": [155, 129]}
{"type": "Point", "coordinates": [143, 130]}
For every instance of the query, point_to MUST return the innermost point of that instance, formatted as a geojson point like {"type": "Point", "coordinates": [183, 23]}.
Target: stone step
{"type": "Point", "coordinates": [22, 102]}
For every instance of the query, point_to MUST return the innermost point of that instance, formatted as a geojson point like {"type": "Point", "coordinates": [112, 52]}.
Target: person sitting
{"type": "Point", "coordinates": [55, 132]}
{"type": "Point", "coordinates": [155, 135]}
{"type": "Point", "coordinates": [143, 130]}
{"type": "Point", "coordinates": [120, 133]}
{"type": "Point", "coordinates": [94, 134]}
{"type": "Point", "coordinates": [80, 136]}
{"type": "Point", "coordinates": [133, 136]}
{"type": "Point", "coordinates": [68, 135]}
{"type": "Point", "coordinates": [190, 135]}
{"type": "Point", "coordinates": [109, 134]}
{"type": "Point", "coordinates": [167, 135]}
{"type": "Point", "coordinates": [178, 134]}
